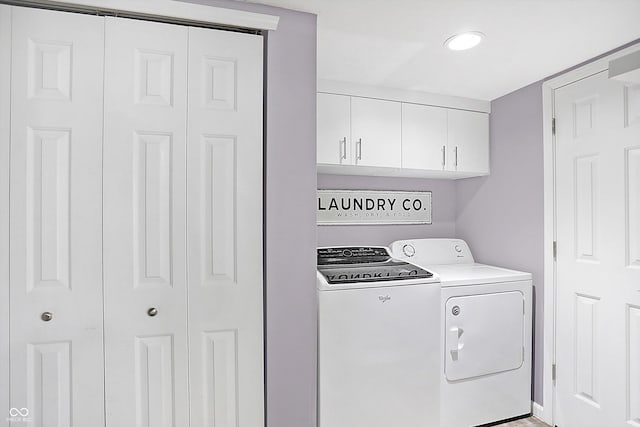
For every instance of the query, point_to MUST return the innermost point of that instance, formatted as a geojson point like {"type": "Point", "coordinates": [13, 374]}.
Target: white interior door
{"type": "Point", "coordinates": [144, 224]}
{"type": "Point", "coordinates": [224, 217]}
{"type": "Point", "coordinates": [56, 218]}
{"type": "Point", "coordinates": [598, 266]}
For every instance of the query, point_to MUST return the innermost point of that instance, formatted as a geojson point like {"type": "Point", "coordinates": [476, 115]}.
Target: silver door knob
{"type": "Point", "coordinates": [46, 316]}
{"type": "Point", "coordinates": [152, 311]}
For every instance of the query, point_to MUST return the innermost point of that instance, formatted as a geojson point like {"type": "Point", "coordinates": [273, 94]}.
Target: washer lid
{"type": "Point", "coordinates": [475, 274]}
{"type": "Point", "coordinates": [358, 264]}
{"type": "Point", "coordinates": [372, 272]}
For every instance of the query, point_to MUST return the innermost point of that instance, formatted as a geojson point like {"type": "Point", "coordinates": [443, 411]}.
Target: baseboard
{"type": "Point", "coordinates": [538, 412]}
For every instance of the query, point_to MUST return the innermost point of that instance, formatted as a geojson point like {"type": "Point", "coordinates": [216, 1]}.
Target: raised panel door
{"type": "Point", "coordinates": [376, 132]}
{"type": "Point", "coordinates": [468, 141]}
{"type": "Point", "coordinates": [334, 129]}
{"type": "Point", "coordinates": [145, 298]}
{"type": "Point", "coordinates": [598, 302]}
{"type": "Point", "coordinates": [424, 137]}
{"type": "Point", "coordinates": [224, 222]}
{"type": "Point", "coordinates": [56, 218]}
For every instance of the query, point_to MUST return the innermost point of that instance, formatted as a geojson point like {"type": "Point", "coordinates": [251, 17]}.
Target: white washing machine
{"type": "Point", "coordinates": [378, 333]}
{"type": "Point", "coordinates": [486, 333]}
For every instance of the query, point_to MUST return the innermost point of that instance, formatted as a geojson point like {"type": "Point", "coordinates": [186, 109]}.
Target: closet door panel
{"type": "Point", "coordinates": [144, 204]}
{"type": "Point", "coordinates": [224, 208]}
{"type": "Point", "coordinates": [56, 217]}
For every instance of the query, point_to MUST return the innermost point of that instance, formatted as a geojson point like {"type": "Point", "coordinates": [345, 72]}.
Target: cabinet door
{"type": "Point", "coordinates": [56, 220]}
{"type": "Point", "coordinates": [468, 148]}
{"type": "Point", "coordinates": [424, 137]}
{"type": "Point", "coordinates": [334, 129]}
{"type": "Point", "coordinates": [376, 131]}
{"type": "Point", "coordinates": [144, 223]}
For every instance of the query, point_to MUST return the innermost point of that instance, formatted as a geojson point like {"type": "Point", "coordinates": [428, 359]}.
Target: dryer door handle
{"type": "Point", "coordinates": [454, 343]}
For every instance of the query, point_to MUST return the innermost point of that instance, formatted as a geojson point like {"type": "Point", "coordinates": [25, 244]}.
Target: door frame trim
{"type": "Point", "coordinates": [548, 410]}
{"type": "Point", "coordinates": [164, 10]}
{"type": "Point", "coordinates": [5, 147]}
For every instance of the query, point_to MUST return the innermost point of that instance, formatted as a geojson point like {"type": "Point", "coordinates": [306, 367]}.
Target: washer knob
{"type": "Point", "coordinates": [457, 248]}
{"type": "Point", "coordinates": [409, 250]}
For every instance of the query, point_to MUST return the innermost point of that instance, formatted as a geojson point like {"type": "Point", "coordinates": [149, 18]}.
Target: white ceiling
{"type": "Point", "coordinates": [399, 44]}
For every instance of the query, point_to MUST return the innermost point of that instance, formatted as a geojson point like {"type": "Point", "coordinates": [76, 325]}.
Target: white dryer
{"type": "Point", "coordinates": [486, 333]}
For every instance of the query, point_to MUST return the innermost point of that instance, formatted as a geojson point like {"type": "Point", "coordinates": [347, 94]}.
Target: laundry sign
{"type": "Point", "coordinates": [336, 207]}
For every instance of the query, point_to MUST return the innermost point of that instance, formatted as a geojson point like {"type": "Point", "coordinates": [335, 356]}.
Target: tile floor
{"type": "Point", "coordinates": [531, 422]}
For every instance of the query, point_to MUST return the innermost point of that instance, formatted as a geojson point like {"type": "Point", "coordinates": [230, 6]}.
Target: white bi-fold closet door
{"type": "Point", "coordinates": [56, 353]}
{"type": "Point", "coordinates": [135, 223]}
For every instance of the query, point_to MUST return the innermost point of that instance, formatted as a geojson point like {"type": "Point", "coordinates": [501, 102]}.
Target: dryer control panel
{"type": "Point", "coordinates": [433, 251]}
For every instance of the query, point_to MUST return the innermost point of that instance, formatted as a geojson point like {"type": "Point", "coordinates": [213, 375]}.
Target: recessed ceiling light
{"type": "Point", "coordinates": [464, 41]}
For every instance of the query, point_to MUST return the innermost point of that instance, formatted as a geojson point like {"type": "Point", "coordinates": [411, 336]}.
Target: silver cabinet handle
{"type": "Point", "coordinates": [343, 148]}
{"type": "Point", "coordinates": [152, 312]}
{"type": "Point", "coordinates": [359, 149]}
{"type": "Point", "coordinates": [46, 316]}
{"type": "Point", "coordinates": [444, 155]}
{"type": "Point", "coordinates": [455, 160]}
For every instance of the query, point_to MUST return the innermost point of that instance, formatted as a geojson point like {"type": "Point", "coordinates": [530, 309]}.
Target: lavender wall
{"type": "Point", "coordinates": [290, 216]}
{"type": "Point", "coordinates": [501, 215]}
{"type": "Point", "coordinates": [443, 214]}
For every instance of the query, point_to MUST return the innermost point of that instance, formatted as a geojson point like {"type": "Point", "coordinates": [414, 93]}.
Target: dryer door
{"type": "Point", "coordinates": [484, 334]}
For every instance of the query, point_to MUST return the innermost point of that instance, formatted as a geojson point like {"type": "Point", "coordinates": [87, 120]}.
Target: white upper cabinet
{"type": "Point", "coordinates": [334, 129]}
{"type": "Point", "coordinates": [424, 137]}
{"type": "Point", "coordinates": [362, 135]}
{"type": "Point", "coordinates": [376, 131]}
{"type": "Point", "coordinates": [468, 142]}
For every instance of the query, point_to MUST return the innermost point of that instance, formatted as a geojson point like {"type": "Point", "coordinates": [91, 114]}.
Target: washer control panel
{"type": "Point", "coordinates": [352, 255]}
{"type": "Point", "coordinates": [409, 250]}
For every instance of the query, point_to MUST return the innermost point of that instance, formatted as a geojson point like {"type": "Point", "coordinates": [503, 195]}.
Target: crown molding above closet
{"type": "Point", "coordinates": [169, 9]}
